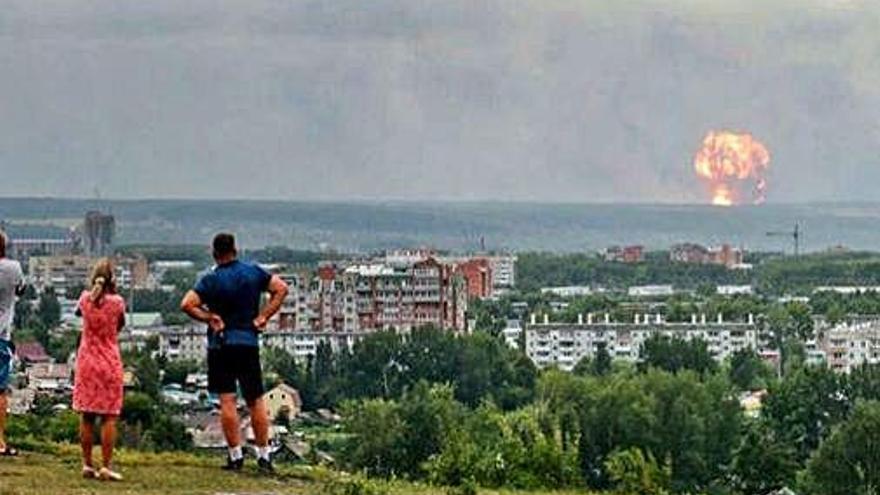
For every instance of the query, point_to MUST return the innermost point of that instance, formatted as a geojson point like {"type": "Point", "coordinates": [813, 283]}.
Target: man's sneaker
{"type": "Point", "coordinates": [265, 466]}
{"type": "Point", "coordinates": [235, 465]}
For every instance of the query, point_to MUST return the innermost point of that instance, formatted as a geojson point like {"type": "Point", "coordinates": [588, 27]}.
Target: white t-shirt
{"type": "Point", "coordinates": [11, 278]}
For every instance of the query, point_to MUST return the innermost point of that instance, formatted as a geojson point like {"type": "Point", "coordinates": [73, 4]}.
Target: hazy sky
{"type": "Point", "coordinates": [545, 100]}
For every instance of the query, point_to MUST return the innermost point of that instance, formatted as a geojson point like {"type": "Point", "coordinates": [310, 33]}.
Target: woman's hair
{"type": "Point", "coordinates": [103, 279]}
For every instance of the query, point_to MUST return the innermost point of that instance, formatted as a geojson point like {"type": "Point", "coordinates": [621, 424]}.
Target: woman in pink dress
{"type": "Point", "coordinates": [97, 389]}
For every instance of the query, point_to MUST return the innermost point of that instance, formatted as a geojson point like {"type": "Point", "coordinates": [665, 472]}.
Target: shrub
{"type": "Point", "coordinates": [635, 473]}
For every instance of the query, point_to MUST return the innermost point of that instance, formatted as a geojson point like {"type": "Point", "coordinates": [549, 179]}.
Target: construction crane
{"type": "Point", "coordinates": [795, 235]}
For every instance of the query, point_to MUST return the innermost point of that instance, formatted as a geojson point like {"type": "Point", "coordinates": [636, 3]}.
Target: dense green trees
{"type": "Point", "coordinates": [673, 425]}
{"type": "Point", "coordinates": [387, 364]}
{"type": "Point", "coordinates": [535, 270]}
{"type": "Point", "coordinates": [674, 354]}
{"type": "Point", "coordinates": [802, 409]}
{"type": "Point", "coordinates": [848, 462]}
{"type": "Point", "coordinates": [771, 275]}
{"type": "Point", "coordinates": [761, 461]}
{"type": "Point", "coordinates": [747, 371]}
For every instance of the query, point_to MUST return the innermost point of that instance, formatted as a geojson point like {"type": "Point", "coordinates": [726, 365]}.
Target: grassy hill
{"type": "Point", "coordinates": [56, 471]}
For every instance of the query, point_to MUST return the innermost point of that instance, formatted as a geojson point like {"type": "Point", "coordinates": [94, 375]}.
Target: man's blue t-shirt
{"type": "Point", "coordinates": [233, 291]}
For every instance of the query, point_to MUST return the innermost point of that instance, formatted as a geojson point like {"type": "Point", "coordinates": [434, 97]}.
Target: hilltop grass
{"type": "Point", "coordinates": [55, 470]}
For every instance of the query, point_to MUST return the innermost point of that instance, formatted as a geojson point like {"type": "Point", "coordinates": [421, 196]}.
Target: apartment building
{"type": "Point", "coordinates": [67, 272]}
{"type": "Point", "coordinates": [503, 272]}
{"type": "Point", "coordinates": [339, 305]}
{"type": "Point", "coordinates": [851, 345]}
{"type": "Point", "coordinates": [59, 272]}
{"type": "Point", "coordinates": [563, 344]}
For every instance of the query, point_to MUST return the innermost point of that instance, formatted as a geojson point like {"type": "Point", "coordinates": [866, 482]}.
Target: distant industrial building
{"type": "Point", "coordinates": [99, 233]}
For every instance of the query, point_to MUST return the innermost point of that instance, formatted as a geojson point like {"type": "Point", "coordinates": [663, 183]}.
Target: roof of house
{"type": "Point", "coordinates": [32, 352]}
{"type": "Point", "coordinates": [44, 371]}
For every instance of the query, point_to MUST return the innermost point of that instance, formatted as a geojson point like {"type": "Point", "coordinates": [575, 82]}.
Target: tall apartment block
{"type": "Point", "coordinates": [339, 305]}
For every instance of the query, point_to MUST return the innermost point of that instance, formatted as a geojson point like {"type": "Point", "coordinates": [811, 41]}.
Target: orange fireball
{"type": "Point", "coordinates": [733, 166]}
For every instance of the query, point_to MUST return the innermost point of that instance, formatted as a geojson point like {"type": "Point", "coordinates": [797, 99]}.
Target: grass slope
{"type": "Point", "coordinates": [55, 471]}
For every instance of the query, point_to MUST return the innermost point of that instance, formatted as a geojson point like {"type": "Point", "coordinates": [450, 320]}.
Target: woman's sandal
{"type": "Point", "coordinates": [105, 474]}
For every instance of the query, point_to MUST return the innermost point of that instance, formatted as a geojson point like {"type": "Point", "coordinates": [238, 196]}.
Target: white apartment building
{"type": "Point", "coordinates": [503, 271]}
{"type": "Point", "coordinates": [182, 343]}
{"type": "Point", "coordinates": [564, 344]}
{"type": "Point", "coordinates": [512, 333]}
{"type": "Point", "coordinates": [848, 346]}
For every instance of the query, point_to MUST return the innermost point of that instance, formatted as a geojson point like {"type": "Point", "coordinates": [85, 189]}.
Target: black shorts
{"type": "Point", "coordinates": [235, 364]}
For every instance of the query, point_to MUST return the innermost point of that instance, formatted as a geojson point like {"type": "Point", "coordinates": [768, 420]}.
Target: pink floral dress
{"type": "Point", "coordinates": [98, 381]}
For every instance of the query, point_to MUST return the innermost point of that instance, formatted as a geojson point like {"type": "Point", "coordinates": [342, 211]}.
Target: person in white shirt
{"type": "Point", "coordinates": [11, 287]}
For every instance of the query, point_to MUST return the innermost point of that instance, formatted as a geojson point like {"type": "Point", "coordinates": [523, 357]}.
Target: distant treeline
{"type": "Point", "coordinates": [771, 275]}
{"type": "Point", "coordinates": [200, 255]}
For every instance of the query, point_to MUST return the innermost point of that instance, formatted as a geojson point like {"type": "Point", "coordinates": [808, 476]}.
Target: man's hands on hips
{"type": "Point", "coordinates": [216, 323]}
{"type": "Point", "coordinates": [260, 322]}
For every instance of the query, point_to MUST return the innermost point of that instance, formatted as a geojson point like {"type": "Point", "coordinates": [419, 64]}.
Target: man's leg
{"type": "Point", "coordinates": [5, 379]}
{"type": "Point", "coordinates": [3, 405]}
{"type": "Point", "coordinates": [221, 381]}
{"type": "Point", "coordinates": [251, 381]}
{"type": "Point", "coordinates": [229, 420]}
{"type": "Point", "coordinates": [260, 421]}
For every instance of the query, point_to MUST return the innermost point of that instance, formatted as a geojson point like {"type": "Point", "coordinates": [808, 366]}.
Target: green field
{"type": "Point", "coordinates": [40, 473]}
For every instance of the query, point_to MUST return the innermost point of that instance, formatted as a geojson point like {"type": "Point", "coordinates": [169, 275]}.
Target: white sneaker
{"type": "Point", "coordinates": [89, 473]}
{"type": "Point", "coordinates": [107, 475]}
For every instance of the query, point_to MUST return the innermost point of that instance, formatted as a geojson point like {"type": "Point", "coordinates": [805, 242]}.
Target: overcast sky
{"type": "Point", "coordinates": [539, 100]}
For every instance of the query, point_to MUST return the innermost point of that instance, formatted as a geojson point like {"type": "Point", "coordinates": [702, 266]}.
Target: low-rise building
{"type": "Point", "coordinates": [571, 291]}
{"type": "Point", "coordinates": [725, 255]}
{"type": "Point", "coordinates": [734, 290]}
{"type": "Point", "coordinates": [283, 399]}
{"type": "Point", "coordinates": [651, 291]}
{"type": "Point", "coordinates": [624, 254]}
{"type": "Point", "coordinates": [49, 377]}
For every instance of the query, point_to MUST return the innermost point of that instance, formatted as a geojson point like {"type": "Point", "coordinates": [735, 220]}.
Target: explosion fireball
{"type": "Point", "coordinates": [733, 167]}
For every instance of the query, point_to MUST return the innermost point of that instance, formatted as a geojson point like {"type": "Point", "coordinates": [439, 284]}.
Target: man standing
{"type": "Point", "coordinates": [227, 298]}
{"type": "Point", "coordinates": [11, 286]}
